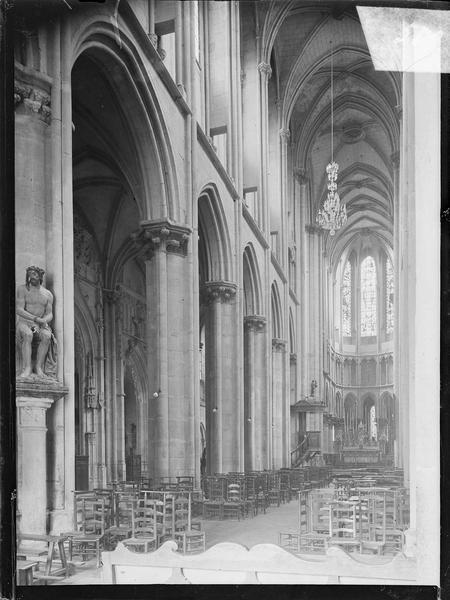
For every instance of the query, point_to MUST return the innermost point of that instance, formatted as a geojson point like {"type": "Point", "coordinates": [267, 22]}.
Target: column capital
{"type": "Point", "coordinates": [255, 322]}
{"type": "Point", "coordinates": [161, 235]}
{"type": "Point", "coordinates": [223, 291]}
{"type": "Point", "coordinates": [301, 175]}
{"type": "Point", "coordinates": [285, 135]}
{"type": "Point", "coordinates": [90, 436]}
{"type": "Point", "coordinates": [32, 100]}
{"type": "Point", "coordinates": [112, 296]}
{"type": "Point", "coordinates": [293, 358]}
{"type": "Point", "coordinates": [265, 69]}
{"type": "Point", "coordinates": [278, 344]}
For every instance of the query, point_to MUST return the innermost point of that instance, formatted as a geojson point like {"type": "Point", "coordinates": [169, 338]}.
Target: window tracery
{"type": "Point", "coordinates": [368, 297]}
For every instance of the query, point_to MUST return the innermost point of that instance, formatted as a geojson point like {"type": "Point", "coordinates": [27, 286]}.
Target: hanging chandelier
{"type": "Point", "coordinates": [333, 215]}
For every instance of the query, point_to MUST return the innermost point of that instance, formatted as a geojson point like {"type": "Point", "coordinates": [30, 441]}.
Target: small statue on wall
{"type": "Point", "coordinates": [34, 312]}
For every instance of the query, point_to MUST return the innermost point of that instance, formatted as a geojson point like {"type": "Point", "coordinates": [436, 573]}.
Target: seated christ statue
{"type": "Point", "coordinates": [34, 312]}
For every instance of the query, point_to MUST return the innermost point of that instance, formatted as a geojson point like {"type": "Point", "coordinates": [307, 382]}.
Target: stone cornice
{"type": "Point", "coordinates": [278, 344]}
{"type": "Point", "coordinates": [255, 322]}
{"type": "Point", "coordinates": [223, 291]}
{"type": "Point", "coordinates": [36, 388]}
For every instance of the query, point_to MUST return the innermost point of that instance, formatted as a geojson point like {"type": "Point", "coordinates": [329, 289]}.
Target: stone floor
{"type": "Point", "coordinates": [264, 528]}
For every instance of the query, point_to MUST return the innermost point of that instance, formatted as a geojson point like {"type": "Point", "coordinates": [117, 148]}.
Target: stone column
{"type": "Point", "coordinates": [222, 402]}
{"type": "Point", "coordinates": [303, 278]}
{"type": "Point", "coordinates": [33, 399]}
{"type": "Point", "coordinates": [419, 301]}
{"type": "Point", "coordinates": [398, 454]}
{"type": "Point", "coordinates": [314, 304]}
{"type": "Point", "coordinates": [169, 352]}
{"type": "Point", "coordinates": [91, 445]}
{"type": "Point", "coordinates": [285, 136]}
{"type": "Point", "coordinates": [111, 297]}
{"type": "Point", "coordinates": [32, 119]}
{"type": "Point", "coordinates": [278, 405]}
{"type": "Point", "coordinates": [265, 72]}
{"type": "Point", "coordinates": [255, 395]}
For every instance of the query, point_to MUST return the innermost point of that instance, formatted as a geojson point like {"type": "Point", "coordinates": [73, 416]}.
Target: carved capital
{"type": "Point", "coordinates": [285, 135]}
{"type": "Point", "coordinates": [278, 345]}
{"type": "Point", "coordinates": [301, 175]}
{"type": "Point", "coordinates": [112, 296]}
{"type": "Point", "coordinates": [293, 359]}
{"type": "Point", "coordinates": [33, 100]}
{"type": "Point", "coordinates": [255, 323]}
{"type": "Point", "coordinates": [221, 291]}
{"type": "Point", "coordinates": [265, 70]}
{"type": "Point", "coordinates": [161, 235]}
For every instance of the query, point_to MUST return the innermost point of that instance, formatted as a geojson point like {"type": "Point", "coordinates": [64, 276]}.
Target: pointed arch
{"type": "Point", "coordinates": [277, 320]}
{"type": "Point", "coordinates": [155, 183]}
{"type": "Point", "coordinates": [252, 283]}
{"type": "Point", "coordinates": [215, 260]}
{"type": "Point", "coordinates": [292, 333]}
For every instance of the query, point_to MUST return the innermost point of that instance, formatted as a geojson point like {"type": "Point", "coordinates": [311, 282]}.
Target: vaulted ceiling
{"type": "Point", "coordinates": [301, 40]}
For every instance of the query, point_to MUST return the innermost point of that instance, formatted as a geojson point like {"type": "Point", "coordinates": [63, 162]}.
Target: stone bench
{"type": "Point", "coordinates": [230, 563]}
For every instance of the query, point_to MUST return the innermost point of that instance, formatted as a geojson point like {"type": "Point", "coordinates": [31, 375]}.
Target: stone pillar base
{"type": "Point", "coordinates": [33, 397]}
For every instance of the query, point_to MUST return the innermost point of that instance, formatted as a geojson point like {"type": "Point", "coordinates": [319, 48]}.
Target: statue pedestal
{"type": "Point", "coordinates": [34, 397]}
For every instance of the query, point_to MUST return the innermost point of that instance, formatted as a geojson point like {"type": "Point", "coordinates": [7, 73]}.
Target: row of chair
{"type": "Point", "coordinates": [368, 519]}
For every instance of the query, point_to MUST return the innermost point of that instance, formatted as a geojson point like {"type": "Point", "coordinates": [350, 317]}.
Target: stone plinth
{"type": "Point", "coordinates": [34, 397]}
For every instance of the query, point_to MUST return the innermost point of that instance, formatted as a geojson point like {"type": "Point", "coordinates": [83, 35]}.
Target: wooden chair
{"type": "Point", "coordinates": [343, 525]}
{"type": "Point", "coordinates": [285, 485]}
{"type": "Point", "coordinates": [274, 488]}
{"type": "Point", "coordinates": [143, 527]}
{"type": "Point", "coordinates": [185, 482]}
{"type": "Point", "coordinates": [234, 504]}
{"type": "Point", "coordinates": [215, 492]}
{"type": "Point", "coordinates": [86, 540]}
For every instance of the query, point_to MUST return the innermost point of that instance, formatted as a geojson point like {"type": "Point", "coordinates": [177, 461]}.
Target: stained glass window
{"type": "Point", "coordinates": [368, 297]}
{"type": "Point", "coordinates": [389, 296]}
{"type": "Point", "coordinates": [347, 300]}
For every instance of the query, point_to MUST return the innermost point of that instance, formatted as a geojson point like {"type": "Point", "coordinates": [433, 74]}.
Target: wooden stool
{"type": "Point", "coordinates": [25, 572]}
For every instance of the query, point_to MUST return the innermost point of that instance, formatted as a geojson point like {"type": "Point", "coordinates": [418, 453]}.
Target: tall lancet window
{"type": "Point", "coordinates": [389, 296]}
{"type": "Point", "coordinates": [347, 300]}
{"type": "Point", "coordinates": [368, 297]}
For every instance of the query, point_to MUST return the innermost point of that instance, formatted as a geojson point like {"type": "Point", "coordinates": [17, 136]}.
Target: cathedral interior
{"type": "Point", "coordinates": [227, 199]}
